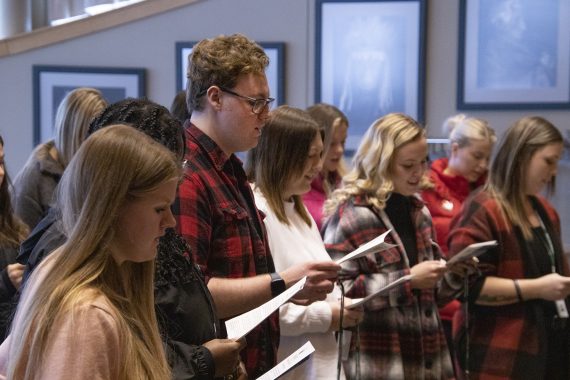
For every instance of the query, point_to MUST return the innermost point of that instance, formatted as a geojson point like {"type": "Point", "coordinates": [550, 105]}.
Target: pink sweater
{"type": "Point", "coordinates": [83, 344]}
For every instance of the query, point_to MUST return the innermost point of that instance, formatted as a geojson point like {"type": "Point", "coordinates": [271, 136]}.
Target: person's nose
{"type": "Point", "coordinates": [168, 221]}
{"type": "Point", "coordinates": [319, 165]}
{"type": "Point", "coordinates": [554, 171]}
{"type": "Point", "coordinates": [340, 149]}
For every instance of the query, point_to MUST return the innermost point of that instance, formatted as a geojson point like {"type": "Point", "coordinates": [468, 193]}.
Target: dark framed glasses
{"type": "Point", "coordinates": [257, 105]}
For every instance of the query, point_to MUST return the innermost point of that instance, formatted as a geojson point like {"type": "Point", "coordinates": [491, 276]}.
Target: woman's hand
{"type": "Point", "coordinates": [350, 317]}
{"type": "Point", "coordinates": [225, 353]}
{"type": "Point", "coordinates": [550, 287]}
{"type": "Point", "coordinates": [465, 267]}
{"type": "Point", "coordinates": [15, 274]}
{"type": "Point", "coordinates": [427, 273]}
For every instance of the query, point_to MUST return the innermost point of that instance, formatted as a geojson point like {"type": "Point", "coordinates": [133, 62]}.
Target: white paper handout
{"type": "Point", "coordinates": [242, 324]}
{"type": "Point", "coordinates": [373, 246]}
{"type": "Point", "coordinates": [472, 250]}
{"type": "Point", "coordinates": [289, 362]}
{"type": "Point", "coordinates": [360, 301]}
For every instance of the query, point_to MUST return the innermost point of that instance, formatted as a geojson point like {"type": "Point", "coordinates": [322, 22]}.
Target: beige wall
{"type": "Point", "coordinates": [149, 43]}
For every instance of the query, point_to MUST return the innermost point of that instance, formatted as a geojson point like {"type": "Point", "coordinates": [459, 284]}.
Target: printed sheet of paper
{"type": "Point", "coordinates": [373, 246]}
{"type": "Point", "coordinates": [473, 250]}
{"type": "Point", "coordinates": [242, 324]}
{"type": "Point", "coordinates": [289, 362]}
{"type": "Point", "coordinates": [360, 301]}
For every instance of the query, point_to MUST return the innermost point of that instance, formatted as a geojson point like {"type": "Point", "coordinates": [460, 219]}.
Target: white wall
{"type": "Point", "coordinates": [149, 43]}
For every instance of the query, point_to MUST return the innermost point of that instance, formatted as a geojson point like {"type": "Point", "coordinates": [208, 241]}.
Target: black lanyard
{"type": "Point", "coordinates": [549, 245]}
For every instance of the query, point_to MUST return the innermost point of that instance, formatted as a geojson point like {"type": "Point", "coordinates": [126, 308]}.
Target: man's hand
{"type": "Point", "coordinates": [321, 276]}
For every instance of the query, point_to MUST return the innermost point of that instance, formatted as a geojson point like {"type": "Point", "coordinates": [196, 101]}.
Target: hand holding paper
{"type": "Point", "coordinates": [472, 250]}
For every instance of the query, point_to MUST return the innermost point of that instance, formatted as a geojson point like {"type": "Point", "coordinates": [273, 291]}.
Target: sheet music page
{"type": "Point", "coordinates": [244, 323]}
{"type": "Point", "coordinates": [473, 250]}
{"type": "Point", "coordinates": [360, 301]}
{"type": "Point", "coordinates": [375, 245]}
{"type": "Point", "coordinates": [289, 362]}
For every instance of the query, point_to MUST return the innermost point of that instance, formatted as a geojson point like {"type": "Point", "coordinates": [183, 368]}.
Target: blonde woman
{"type": "Point", "coordinates": [287, 159]}
{"type": "Point", "coordinates": [401, 335]}
{"type": "Point", "coordinates": [518, 325]}
{"type": "Point", "coordinates": [35, 184]}
{"type": "Point", "coordinates": [334, 124]}
{"type": "Point", "coordinates": [453, 178]}
{"type": "Point", "coordinates": [87, 312]}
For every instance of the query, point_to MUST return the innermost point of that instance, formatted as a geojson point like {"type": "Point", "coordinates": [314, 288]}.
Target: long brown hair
{"type": "Point", "coordinates": [12, 230]}
{"type": "Point", "coordinates": [330, 119]}
{"type": "Point", "coordinates": [508, 169]}
{"type": "Point", "coordinates": [281, 155]}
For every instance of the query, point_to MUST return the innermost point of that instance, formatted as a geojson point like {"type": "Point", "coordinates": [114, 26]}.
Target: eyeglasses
{"type": "Point", "coordinates": [257, 105]}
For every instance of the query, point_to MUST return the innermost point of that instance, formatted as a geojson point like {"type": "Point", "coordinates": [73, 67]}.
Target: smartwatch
{"type": "Point", "coordinates": [277, 284]}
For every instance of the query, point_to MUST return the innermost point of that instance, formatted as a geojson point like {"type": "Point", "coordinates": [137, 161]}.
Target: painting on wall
{"type": "Point", "coordinates": [275, 71]}
{"type": "Point", "coordinates": [370, 60]}
{"type": "Point", "coordinates": [52, 83]}
{"type": "Point", "coordinates": [514, 54]}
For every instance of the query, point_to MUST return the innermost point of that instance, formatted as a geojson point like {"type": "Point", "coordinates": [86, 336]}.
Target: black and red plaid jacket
{"type": "Point", "coordinates": [401, 336]}
{"type": "Point", "coordinates": [506, 342]}
{"type": "Point", "coordinates": [216, 214]}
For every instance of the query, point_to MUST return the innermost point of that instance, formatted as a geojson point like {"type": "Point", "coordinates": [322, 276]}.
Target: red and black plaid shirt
{"type": "Point", "coordinates": [216, 214]}
{"type": "Point", "coordinates": [506, 342]}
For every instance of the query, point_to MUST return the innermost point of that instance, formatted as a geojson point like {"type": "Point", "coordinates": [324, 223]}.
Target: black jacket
{"type": "Point", "coordinates": [7, 290]}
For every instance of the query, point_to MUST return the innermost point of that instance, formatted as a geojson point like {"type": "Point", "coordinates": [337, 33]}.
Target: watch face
{"type": "Point", "coordinates": [277, 284]}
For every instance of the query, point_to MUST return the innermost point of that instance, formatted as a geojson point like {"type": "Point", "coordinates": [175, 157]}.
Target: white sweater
{"type": "Point", "coordinates": [294, 244]}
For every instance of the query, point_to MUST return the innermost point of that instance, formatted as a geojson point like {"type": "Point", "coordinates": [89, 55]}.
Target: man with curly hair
{"type": "Point", "coordinates": [228, 98]}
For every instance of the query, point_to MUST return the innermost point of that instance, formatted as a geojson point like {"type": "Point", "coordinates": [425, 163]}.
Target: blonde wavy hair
{"type": "Point", "coordinates": [90, 197]}
{"type": "Point", "coordinates": [372, 164]}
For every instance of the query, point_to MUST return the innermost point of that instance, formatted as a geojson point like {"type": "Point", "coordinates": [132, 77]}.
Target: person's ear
{"type": "Point", "coordinates": [454, 149]}
{"type": "Point", "coordinates": [213, 96]}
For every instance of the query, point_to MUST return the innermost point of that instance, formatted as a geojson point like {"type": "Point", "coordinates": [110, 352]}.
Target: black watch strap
{"type": "Point", "coordinates": [277, 284]}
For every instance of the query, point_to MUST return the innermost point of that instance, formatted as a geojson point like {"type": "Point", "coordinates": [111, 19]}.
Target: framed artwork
{"type": "Point", "coordinates": [370, 60]}
{"type": "Point", "coordinates": [52, 83]}
{"type": "Point", "coordinates": [275, 71]}
{"type": "Point", "coordinates": [514, 54]}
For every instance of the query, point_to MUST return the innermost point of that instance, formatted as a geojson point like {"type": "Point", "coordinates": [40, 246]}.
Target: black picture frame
{"type": "Point", "coordinates": [513, 55]}
{"type": "Point", "coordinates": [275, 71]}
{"type": "Point", "coordinates": [52, 83]}
{"type": "Point", "coordinates": [370, 59]}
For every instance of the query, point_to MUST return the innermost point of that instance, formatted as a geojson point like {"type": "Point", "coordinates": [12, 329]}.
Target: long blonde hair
{"type": "Point", "coordinates": [373, 161]}
{"type": "Point", "coordinates": [72, 119]}
{"type": "Point", "coordinates": [115, 164]}
{"type": "Point", "coordinates": [508, 169]}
